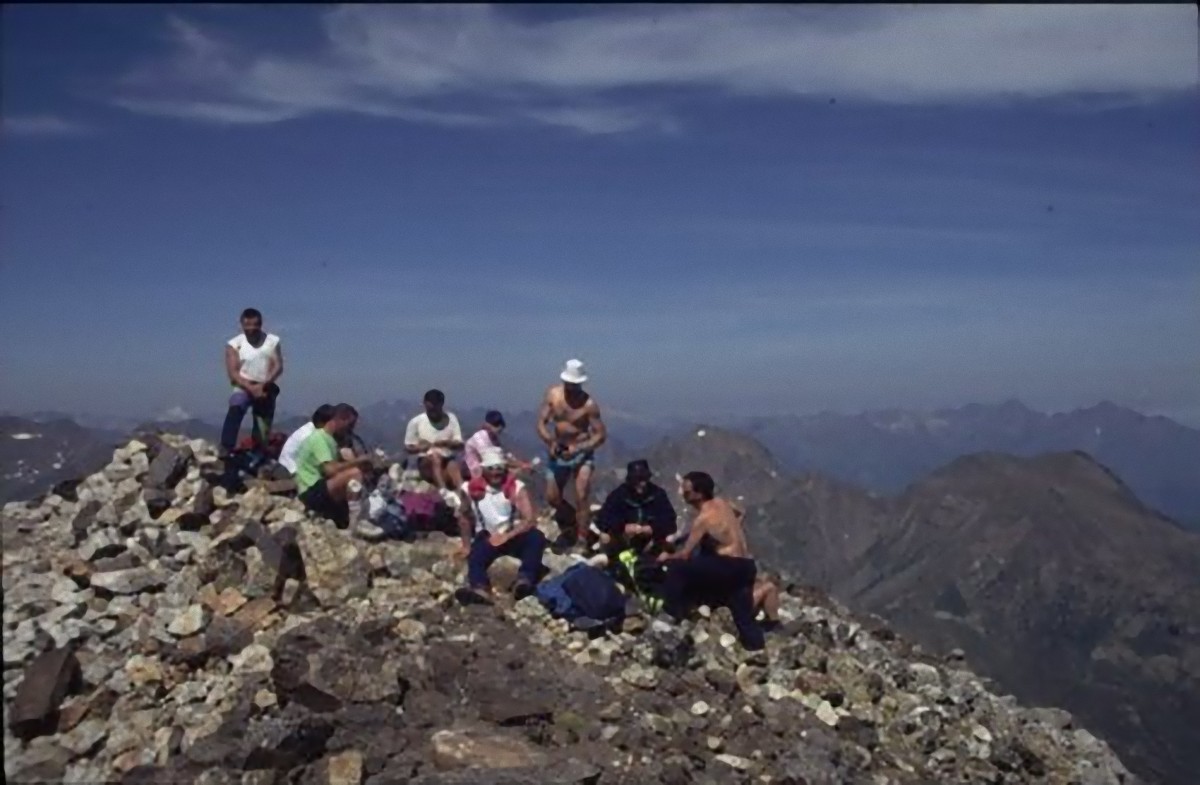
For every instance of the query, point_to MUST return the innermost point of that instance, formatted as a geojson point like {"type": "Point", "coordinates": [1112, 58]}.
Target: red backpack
{"type": "Point", "coordinates": [272, 448]}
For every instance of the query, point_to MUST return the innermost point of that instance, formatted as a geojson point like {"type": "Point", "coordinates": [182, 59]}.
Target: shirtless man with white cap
{"type": "Point", "coordinates": [570, 426]}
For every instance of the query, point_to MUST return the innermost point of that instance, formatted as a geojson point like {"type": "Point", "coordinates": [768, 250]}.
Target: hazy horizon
{"type": "Point", "coordinates": [978, 203]}
{"type": "Point", "coordinates": [213, 415]}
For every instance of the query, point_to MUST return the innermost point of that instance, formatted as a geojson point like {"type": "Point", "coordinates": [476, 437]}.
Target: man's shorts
{"type": "Point", "coordinates": [559, 470]}
{"type": "Point", "coordinates": [318, 500]}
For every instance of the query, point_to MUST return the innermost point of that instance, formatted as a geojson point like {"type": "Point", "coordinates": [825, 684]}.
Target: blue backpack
{"type": "Point", "coordinates": [583, 595]}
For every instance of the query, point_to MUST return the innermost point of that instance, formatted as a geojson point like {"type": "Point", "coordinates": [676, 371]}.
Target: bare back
{"type": "Point", "coordinates": [570, 417]}
{"type": "Point", "coordinates": [720, 521]}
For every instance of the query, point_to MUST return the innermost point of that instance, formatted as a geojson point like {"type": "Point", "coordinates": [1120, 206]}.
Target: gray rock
{"type": "Point", "coordinates": [335, 565]}
{"type": "Point", "coordinates": [85, 737]}
{"type": "Point", "coordinates": [101, 544]}
{"type": "Point", "coordinates": [640, 676]}
{"type": "Point", "coordinates": [132, 581]}
{"type": "Point", "coordinates": [189, 622]}
{"type": "Point", "coordinates": [83, 521]}
{"type": "Point", "coordinates": [168, 467]}
{"type": "Point", "coordinates": [47, 681]}
{"type": "Point", "coordinates": [122, 561]}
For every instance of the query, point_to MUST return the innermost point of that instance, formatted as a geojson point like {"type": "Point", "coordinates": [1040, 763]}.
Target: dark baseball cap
{"type": "Point", "coordinates": [494, 418]}
{"type": "Point", "coordinates": [638, 470]}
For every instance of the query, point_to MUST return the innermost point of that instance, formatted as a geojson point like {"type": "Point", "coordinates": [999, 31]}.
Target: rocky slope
{"type": "Point", "coordinates": [156, 630]}
{"type": "Point", "coordinates": [1097, 596]}
{"type": "Point", "coordinates": [1048, 572]}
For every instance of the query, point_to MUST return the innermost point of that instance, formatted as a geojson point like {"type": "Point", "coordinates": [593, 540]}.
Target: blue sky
{"type": "Point", "coordinates": [761, 209]}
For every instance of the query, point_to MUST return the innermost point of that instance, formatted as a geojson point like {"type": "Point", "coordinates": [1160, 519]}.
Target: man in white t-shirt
{"type": "Point", "coordinates": [287, 456]}
{"type": "Point", "coordinates": [497, 520]}
{"type": "Point", "coordinates": [435, 437]}
{"type": "Point", "coordinates": [253, 362]}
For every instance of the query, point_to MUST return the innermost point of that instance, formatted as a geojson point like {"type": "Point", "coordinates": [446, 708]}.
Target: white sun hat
{"type": "Point", "coordinates": [492, 458]}
{"type": "Point", "coordinates": [573, 372]}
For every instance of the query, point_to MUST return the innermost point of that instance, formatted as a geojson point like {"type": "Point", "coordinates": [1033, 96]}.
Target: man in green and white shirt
{"type": "Point", "coordinates": [322, 477]}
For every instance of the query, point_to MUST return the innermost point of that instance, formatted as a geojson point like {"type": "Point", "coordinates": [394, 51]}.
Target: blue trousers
{"type": "Point", "coordinates": [264, 415]}
{"type": "Point", "coordinates": [527, 547]}
{"type": "Point", "coordinates": [708, 579]}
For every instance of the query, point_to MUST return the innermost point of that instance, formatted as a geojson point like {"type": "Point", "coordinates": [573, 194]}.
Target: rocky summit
{"type": "Point", "coordinates": [157, 629]}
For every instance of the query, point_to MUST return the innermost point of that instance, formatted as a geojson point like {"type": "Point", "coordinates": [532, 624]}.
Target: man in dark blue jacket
{"type": "Point", "coordinates": [637, 513]}
{"type": "Point", "coordinates": [636, 520]}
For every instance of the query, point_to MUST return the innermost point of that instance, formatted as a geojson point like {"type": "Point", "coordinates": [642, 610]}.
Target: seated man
{"type": "Point", "coordinates": [351, 446]}
{"type": "Point", "coordinates": [488, 438]}
{"type": "Point", "coordinates": [435, 437]}
{"type": "Point", "coordinates": [723, 572]}
{"type": "Point", "coordinates": [498, 520]}
{"type": "Point", "coordinates": [322, 480]}
{"type": "Point", "coordinates": [287, 456]}
{"type": "Point", "coordinates": [766, 588]}
{"type": "Point", "coordinates": [637, 515]}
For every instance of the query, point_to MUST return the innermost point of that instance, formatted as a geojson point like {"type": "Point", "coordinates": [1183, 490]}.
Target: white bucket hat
{"type": "Point", "coordinates": [492, 458]}
{"type": "Point", "coordinates": [573, 372]}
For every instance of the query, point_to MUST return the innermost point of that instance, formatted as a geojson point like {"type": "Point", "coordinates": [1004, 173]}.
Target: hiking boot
{"type": "Point", "coordinates": [469, 595]}
{"type": "Point", "coordinates": [522, 589]}
{"type": "Point", "coordinates": [562, 545]}
{"type": "Point", "coordinates": [770, 625]}
{"type": "Point", "coordinates": [368, 530]}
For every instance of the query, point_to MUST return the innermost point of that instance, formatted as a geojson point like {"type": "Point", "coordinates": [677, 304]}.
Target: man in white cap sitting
{"type": "Point", "coordinates": [570, 426]}
{"type": "Point", "coordinates": [498, 519]}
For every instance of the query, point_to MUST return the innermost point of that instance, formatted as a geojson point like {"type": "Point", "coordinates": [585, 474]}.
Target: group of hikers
{"type": "Point", "coordinates": [636, 537]}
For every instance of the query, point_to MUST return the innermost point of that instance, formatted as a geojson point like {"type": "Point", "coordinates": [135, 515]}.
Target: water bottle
{"type": "Point", "coordinates": [376, 505]}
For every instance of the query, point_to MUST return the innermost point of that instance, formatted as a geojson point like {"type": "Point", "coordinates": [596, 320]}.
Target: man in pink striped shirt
{"type": "Point", "coordinates": [487, 438]}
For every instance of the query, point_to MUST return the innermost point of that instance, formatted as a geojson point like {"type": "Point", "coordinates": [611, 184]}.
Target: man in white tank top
{"type": "Point", "coordinates": [253, 362]}
{"type": "Point", "coordinates": [497, 519]}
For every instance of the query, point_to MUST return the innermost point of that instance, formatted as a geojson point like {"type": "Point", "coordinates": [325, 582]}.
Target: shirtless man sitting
{"type": "Point", "coordinates": [570, 426]}
{"type": "Point", "coordinates": [714, 567]}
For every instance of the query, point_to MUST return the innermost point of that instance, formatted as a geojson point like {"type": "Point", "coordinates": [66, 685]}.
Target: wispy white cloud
{"type": "Point", "coordinates": [603, 120]}
{"type": "Point", "coordinates": [43, 125]}
{"type": "Point", "coordinates": [473, 64]}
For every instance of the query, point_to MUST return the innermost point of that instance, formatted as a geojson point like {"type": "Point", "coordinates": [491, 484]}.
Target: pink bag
{"type": "Point", "coordinates": [420, 509]}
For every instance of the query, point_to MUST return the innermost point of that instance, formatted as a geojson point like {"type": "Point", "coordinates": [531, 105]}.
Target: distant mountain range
{"type": "Point", "coordinates": [886, 450]}
{"type": "Point", "coordinates": [1047, 571]}
{"type": "Point", "coordinates": [35, 455]}
{"type": "Point", "coordinates": [882, 451]}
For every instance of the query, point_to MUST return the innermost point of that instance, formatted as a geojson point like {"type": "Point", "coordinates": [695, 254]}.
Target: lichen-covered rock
{"type": "Point", "coordinates": [474, 749]}
{"type": "Point", "coordinates": [335, 564]}
{"type": "Point", "coordinates": [130, 581]}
